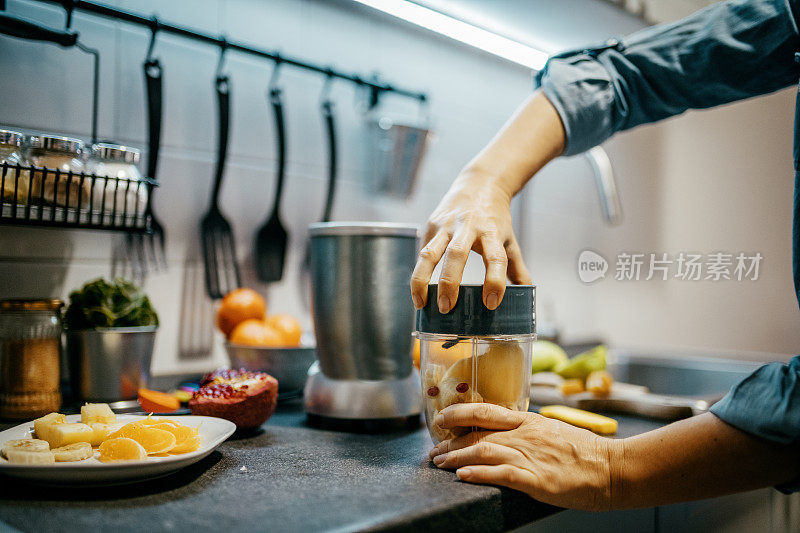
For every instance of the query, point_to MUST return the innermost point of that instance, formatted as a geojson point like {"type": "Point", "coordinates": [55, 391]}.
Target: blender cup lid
{"type": "Point", "coordinates": [516, 314]}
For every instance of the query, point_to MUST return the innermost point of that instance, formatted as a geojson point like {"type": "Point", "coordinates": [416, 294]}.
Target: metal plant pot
{"type": "Point", "coordinates": [110, 364]}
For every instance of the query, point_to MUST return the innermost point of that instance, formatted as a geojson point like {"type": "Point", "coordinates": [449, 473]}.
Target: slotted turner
{"type": "Point", "coordinates": [219, 251]}
{"type": "Point", "coordinates": [272, 238]}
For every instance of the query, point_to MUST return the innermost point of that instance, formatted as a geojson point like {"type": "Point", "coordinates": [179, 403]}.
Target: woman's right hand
{"type": "Point", "coordinates": [475, 214]}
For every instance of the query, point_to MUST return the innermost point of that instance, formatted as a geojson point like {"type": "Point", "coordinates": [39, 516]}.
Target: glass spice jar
{"type": "Point", "coordinates": [119, 188]}
{"type": "Point", "coordinates": [30, 357]}
{"type": "Point", "coordinates": [15, 190]}
{"type": "Point", "coordinates": [65, 155]}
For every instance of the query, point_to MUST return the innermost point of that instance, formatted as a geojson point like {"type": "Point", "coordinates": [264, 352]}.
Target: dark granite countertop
{"type": "Point", "coordinates": [296, 479]}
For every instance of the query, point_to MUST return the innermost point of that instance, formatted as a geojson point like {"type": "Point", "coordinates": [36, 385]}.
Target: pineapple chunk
{"type": "Point", "coordinates": [100, 413]}
{"type": "Point", "coordinates": [69, 433]}
{"type": "Point", "coordinates": [100, 432]}
{"type": "Point", "coordinates": [42, 425]}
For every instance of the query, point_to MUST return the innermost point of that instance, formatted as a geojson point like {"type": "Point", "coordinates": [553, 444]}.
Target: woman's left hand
{"type": "Point", "coordinates": [547, 459]}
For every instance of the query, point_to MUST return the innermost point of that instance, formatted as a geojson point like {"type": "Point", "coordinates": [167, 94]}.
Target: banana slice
{"type": "Point", "coordinates": [28, 452]}
{"type": "Point", "coordinates": [73, 452]}
{"type": "Point", "coordinates": [31, 445]}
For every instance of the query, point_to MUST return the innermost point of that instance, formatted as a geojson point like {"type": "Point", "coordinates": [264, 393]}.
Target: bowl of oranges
{"type": "Point", "coordinates": [256, 340]}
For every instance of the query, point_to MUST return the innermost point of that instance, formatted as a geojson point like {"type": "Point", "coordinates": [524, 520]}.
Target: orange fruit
{"type": "Point", "coordinates": [121, 449]}
{"type": "Point", "coordinates": [289, 328]}
{"type": "Point", "coordinates": [440, 355]}
{"type": "Point", "coordinates": [155, 440]}
{"type": "Point", "coordinates": [158, 422]}
{"type": "Point", "coordinates": [188, 439]}
{"type": "Point", "coordinates": [415, 353]}
{"type": "Point", "coordinates": [238, 306]}
{"type": "Point", "coordinates": [127, 431]}
{"type": "Point", "coordinates": [158, 402]}
{"type": "Point", "coordinates": [256, 333]}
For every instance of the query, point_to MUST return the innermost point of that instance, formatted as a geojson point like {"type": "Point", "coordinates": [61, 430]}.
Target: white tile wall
{"type": "Point", "coordinates": [472, 94]}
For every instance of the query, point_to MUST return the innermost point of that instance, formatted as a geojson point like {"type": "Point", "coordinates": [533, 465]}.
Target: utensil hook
{"type": "Point", "coordinates": [424, 110]}
{"type": "Point", "coordinates": [154, 27]}
{"type": "Point", "coordinates": [223, 47]}
{"type": "Point", "coordinates": [325, 95]}
{"type": "Point", "coordinates": [273, 89]}
{"type": "Point", "coordinates": [69, 7]}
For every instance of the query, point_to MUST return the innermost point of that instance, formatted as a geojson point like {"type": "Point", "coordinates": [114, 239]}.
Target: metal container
{"type": "Point", "coordinates": [363, 315]}
{"type": "Point", "coordinates": [395, 153]}
{"type": "Point", "coordinates": [110, 364]}
{"type": "Point", "coordinates": [288, 365]}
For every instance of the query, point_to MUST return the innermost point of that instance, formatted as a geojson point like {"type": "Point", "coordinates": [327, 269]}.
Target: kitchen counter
{"type": "Point", "coordinates": [288, 477]}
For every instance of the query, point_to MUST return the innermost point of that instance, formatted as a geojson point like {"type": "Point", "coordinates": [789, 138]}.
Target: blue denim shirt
{"type": "Point", "coordinates": [726, 52]}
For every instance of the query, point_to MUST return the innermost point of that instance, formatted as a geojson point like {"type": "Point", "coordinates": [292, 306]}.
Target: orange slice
{"type": "Point", "coordinates": [188, 440]}
{"type": "Point", "coordinates": [158, 422]}
{"type": "Point", "coordinates": [121, 449]}
{"type": "Point", "coordinates": [127, 430]}
{"type": "Point", "coordinates": [154, 440]}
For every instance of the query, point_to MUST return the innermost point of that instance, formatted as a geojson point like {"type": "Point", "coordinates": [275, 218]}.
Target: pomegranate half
{"type": "Point", "coordinates": [244, 397]}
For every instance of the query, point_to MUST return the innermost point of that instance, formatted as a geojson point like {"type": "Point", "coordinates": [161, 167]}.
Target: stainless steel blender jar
{"type": "Point", "coordinates": [364, 378]}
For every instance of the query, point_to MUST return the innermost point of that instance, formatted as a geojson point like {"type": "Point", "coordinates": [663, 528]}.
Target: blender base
{"type": "Point", "coordinates": [361, 405]}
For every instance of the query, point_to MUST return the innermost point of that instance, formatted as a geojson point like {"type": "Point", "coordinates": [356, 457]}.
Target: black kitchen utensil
{"type": "Point", "coordinates": [330, 131]}
{"type": "Point", "coordinates": [154, 90]}
{"type": "Point", "coordinates": [219, 251]}
{"type": "Point", "coordinates": [272, 239]}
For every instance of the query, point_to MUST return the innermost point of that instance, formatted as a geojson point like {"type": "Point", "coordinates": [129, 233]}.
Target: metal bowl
{"type": "Point", "coordinates": [288, 365]}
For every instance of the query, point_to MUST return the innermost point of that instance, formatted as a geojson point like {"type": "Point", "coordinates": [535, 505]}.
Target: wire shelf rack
{"type": "Point", "coordinates": [46, 197]}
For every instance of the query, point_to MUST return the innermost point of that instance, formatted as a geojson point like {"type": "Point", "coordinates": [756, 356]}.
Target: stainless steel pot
{"type": "Point", "coordinates": [363, 315]}
{"type": "Point", "coordinates": [110, 364]}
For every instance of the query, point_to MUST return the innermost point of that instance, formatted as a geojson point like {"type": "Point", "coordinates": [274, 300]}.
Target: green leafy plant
{"type": "Point", "coordinates": [103, 304]}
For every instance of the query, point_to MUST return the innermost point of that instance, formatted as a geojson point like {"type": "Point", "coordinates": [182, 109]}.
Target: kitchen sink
{"type": "Point", "coordinates": [676, 374]}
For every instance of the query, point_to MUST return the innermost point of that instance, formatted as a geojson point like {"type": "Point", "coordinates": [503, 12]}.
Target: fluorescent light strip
{"type": "Point", "coordinates": [461, 31]}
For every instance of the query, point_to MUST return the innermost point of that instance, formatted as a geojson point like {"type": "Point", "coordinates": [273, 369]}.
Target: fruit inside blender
{"type": "Point", "coordinates": [457, 369]}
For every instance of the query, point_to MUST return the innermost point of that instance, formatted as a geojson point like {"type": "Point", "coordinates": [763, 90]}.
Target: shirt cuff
{"type": "Point", "coordinates": [767, 404]}
{"type": "Point", "coordinates": [582, 92]}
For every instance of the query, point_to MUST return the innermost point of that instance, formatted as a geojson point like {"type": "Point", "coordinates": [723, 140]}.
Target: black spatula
{"type": "Point", "coordinates": [272, 239]}
{"type": "Point", "coordinates": [219, 252]}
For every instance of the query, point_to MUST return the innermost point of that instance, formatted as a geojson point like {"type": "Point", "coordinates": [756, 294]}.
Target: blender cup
{"type": "Point", "coordinates": [472, 354]}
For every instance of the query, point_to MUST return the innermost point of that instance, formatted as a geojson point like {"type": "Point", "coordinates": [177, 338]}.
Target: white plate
{"type": "Point", "coordinates": [213, 431]}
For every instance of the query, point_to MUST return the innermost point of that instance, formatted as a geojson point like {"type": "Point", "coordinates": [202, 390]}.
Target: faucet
{"type": "Point", "coordinates": [606, 185]}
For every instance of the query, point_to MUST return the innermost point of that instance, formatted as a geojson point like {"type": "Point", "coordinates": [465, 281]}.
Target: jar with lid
{"type": "Point", "coordinates": [15, 183]}
{"type": "Point", "coordinates": [473, 354]}
{"type": "Point", "coordinates": [63, 154]}
{"type": "Point", "coordinates": [119, 188]}
{"type": "Point", "coordinates": [30, 357]}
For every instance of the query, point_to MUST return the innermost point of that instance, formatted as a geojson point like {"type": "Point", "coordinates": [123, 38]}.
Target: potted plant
{"type": "Point", "coordinates": [111, 328]}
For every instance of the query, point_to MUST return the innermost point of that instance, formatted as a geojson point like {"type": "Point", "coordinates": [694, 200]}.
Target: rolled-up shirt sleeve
{"type": "Point", "coordinates": [728, 51]}
{"type": "Point", "coordinates": [767, 404]}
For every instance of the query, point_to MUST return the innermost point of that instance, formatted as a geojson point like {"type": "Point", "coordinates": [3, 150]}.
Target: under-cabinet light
{"type": "Point", "coordinates": [461, 31]}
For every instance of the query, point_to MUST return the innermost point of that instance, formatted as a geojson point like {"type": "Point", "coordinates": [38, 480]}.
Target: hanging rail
{"type": "Point", "coordinates": [375, 87]}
